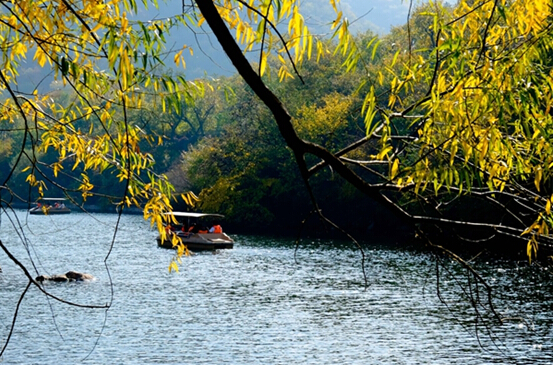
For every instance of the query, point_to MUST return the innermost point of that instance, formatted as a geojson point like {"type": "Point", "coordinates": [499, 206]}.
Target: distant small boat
{"type": "Point", "coordinates": [47, 206]}
{"type": "Point", "coordinates": [193, 236]}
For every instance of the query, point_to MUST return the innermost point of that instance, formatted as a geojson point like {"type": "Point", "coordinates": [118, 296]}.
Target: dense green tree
{"type": "Point", "coordinates": [248, 174]}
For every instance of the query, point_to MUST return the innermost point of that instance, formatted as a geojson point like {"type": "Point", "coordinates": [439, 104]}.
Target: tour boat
{"type": "Point", "coordinates": [47, 206]}
{"type": "Point", "coordinates": [199, 239]}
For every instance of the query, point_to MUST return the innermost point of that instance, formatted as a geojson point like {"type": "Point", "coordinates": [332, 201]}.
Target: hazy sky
{"type": "Point", "coordinates": [376, 15]}
{"type": "Point", "coordinates": [208, 58]}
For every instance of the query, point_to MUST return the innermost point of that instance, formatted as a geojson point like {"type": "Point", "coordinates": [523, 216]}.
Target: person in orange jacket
{"type": "Point", "coordinates": [216, 229]}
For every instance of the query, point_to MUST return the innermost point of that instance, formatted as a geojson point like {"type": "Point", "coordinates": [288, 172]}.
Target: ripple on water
{"type": "Point", "coordinates": [262, 302]}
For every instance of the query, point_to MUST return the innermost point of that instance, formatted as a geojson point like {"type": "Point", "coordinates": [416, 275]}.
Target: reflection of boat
{"type": "Point", "coordinates": [198, 239]}
{"type": "Point", "coordinates": [47, 206]}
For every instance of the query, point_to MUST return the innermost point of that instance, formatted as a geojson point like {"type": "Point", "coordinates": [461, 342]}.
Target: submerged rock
{"type": "Point", "coordinates": [78, 276]}
{"type": "Point", "coordinates": [68, 276]}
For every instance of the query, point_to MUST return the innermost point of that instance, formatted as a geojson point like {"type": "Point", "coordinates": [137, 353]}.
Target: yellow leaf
{"type": "Point", "coordinates": [337, 21]}
{"type": "Point", "coordinates": [177, 57]}
{"type": "Point", "coordinates": [537, 178]}
{"type": "Point", "coordinates": [173, 267]}
{"type": "Point", "coordinates": [262, 66]}
{"type": "Point", "coordinates": [395, 167]}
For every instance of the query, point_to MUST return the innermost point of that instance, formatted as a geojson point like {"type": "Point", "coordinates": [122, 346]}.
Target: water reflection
{"type": "Point", "coordinates": [265, 301]}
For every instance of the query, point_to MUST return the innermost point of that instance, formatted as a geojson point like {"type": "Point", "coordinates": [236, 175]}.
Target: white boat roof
{"type": "Point", "coordinates": [58, 199]}
{"type": "Point", "coordinates": [194, 215]}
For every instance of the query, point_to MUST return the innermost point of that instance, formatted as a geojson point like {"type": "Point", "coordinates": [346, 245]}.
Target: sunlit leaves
{"type": "Point", "coordinates": [369, 111]}
{"type": "Point", "coordinates": [106, 58]}
{"type": "Point", "coordinates": [324, 124]}
{"type": "Point", "coordinates": [189, 198]}
{"type": "Point", "coordinates": [463, 100]}
{"type": "Point", "coordinates": [262, 22]}
{"type": "Point", "coordinates": [487, 111]}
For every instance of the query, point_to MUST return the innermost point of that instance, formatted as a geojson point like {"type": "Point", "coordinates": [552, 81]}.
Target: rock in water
{"type": "Point", "coordinates": [68, 276]}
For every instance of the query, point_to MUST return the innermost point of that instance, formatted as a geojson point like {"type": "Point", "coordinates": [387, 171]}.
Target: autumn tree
{"type": "Point", "coordinates": [463, 122]}
{"type": "Point", "coordinates": [465, 118]}
{"type": "Point", "coordinates": [108, 62]}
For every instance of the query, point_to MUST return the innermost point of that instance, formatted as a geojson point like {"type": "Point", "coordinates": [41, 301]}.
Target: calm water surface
{"type": "Point", "coordinates": [261, 303]}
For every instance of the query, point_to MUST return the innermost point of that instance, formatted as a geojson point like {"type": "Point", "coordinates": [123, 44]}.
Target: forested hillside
{"type": "Point", "coordinates": [439, 125]}
{"type": "Point", "coordinates": [235, 158]}
{"type": "Point", "coordinates": [221, 144]}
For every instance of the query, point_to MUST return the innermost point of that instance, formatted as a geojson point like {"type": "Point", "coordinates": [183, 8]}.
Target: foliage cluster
{"type": "Point", "coordinates": [443, 129]}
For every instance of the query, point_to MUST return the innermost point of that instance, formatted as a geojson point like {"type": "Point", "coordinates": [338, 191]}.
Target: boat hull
{"type": "Point", "coordinates": [49, 211]}
{"type": "Point", "coordinates": [200, 241]}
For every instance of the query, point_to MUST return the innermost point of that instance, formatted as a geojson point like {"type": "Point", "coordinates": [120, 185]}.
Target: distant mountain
{"type": "Point", "coordinates": [209, 59]}
{"type": "Point", "coordinates": [378, 15]}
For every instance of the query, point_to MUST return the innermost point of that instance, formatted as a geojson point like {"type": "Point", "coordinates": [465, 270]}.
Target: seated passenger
{"type": "Point", "coordinates": [216, 229]}
{"type": "Point", "coordinates": [193, 228]}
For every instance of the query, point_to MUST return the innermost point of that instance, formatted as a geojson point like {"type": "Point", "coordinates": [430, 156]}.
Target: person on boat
{"type": "Point", "coordinates": [193, 228]}
{"type": "Point", "coordinates": [203, 230]}
{"type": "Point", "coordinates": [216, 229]}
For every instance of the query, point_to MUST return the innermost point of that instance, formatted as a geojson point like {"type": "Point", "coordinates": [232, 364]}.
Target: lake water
{"type": "Point", "coordinates": [263, 302]}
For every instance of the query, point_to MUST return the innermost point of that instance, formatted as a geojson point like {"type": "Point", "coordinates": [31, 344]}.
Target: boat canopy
{"type": "Point", "coordinates": [52, 199]}
{"type": "Point", "coordinates": [194, 215]}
